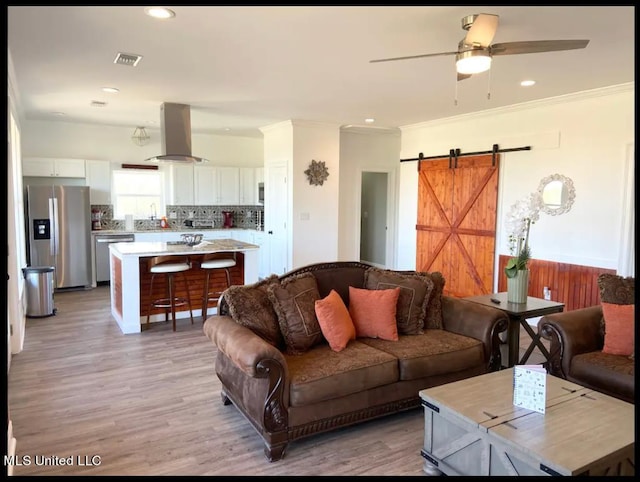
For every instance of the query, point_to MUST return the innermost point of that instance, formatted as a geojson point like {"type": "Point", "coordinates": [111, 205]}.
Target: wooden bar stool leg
{"type": "Point", "coordinates": [150, 306]}
{"type": "Point", "coordinates": [172, 300]}
{"type": "Point", "coordinates": [205, 296]}
{"type": "Point", "coordinates": [228, 277]}
{"type": "Point", "coordinates": [186, 287]}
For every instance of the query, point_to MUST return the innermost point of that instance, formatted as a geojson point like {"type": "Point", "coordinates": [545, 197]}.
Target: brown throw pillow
{"type": "Point", "coordinates": [294, 303]}
{"type": "Point", "coordinates": [415, 293]}
{"type": "Point", "coordinates": [433, 320]}
{"type": "Point", "coordinates": [249, 306]}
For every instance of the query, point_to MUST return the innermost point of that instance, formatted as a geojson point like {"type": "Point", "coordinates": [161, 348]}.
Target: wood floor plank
{"type": "Point", "coordinates": [149, 404]}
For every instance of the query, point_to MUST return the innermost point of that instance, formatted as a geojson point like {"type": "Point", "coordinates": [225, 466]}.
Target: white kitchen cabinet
{"type": "Point", "coordinates": [216, 185]}
{"type": "Point", "coordinates": [228, 184]}
{"type": "Point", "coordinates": [98, 175]}
{"type": "Point", "coordinates": [260, 238]}
{"type": "Point", "coordinates": [248, 191]}
{"type": "Point", "coordinates": [181, 184]}
{"type": "Point", "coordinates": [53, 167]}
{"type": "Point", "coordinates": [147, 237]}
{"type": "Point", "coordinates": [204, 185]}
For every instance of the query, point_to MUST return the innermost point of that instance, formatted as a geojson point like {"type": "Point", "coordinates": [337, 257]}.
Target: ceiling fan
{"type": "Point", "coordinates": [475, 50]}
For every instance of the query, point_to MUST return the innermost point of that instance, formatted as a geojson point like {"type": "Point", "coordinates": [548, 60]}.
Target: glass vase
{"type": "Point", "coordinates": [518, 287]}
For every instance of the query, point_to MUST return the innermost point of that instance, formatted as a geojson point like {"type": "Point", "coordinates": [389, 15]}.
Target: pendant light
{"type": "Point", "coordinates": [140, 136]}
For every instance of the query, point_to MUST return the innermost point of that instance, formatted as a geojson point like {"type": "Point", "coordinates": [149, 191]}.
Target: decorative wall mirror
{"type": "Point", "coordinates": [557, 193]}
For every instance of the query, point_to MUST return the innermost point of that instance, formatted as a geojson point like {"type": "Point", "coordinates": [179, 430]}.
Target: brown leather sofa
{"type": "Point", "coordinates": [576, 341]}
{"type": "Point", "coordinates": [288, 397]}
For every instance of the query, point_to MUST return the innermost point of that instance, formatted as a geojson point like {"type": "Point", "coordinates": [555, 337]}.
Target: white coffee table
{"type": "Point", "coordinates": [473, 428]}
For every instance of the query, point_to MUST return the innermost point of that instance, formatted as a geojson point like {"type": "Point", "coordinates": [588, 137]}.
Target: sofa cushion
{"type": "Point", "coordinates": [433, 319]}
{"type": "Point", "coordinates": [339, 279]}
{"type": "Point", "coordinates": [611, 374]}
{"type": "Point", "coordinates": [415, 293]}
{"type": "Point", "coordinates": [619, 329]}
{"type": "Point", "coordinates": [436, 352]}
{"type": "Point", "coordinates": [335, 321]}
{"type": "Point", "coordinates": [323, 374]}
{"type": "Point", "coordinates": [249, 306]}
{"type": "Point", "coordinates": [294, 302]}
{"type": "Point", "coordinates": [374, 312]}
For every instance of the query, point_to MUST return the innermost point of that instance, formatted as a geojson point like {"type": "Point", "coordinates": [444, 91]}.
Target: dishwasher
{"type": "Point", "coordinates": [103, 273]}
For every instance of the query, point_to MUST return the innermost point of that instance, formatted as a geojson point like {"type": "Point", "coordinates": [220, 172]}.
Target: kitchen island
{"type": "Point", "coordinates": [130, 277]}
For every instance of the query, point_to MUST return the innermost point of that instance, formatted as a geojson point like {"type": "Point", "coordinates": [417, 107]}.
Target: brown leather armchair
{"type": "Point", "coordinates": [577, 339]}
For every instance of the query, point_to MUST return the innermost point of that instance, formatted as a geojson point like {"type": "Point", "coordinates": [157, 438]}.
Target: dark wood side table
{"type": "Point", "coordinates": [518, 314]}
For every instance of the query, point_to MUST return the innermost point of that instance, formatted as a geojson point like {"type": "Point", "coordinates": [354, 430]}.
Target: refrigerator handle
{"type": "Point", "coordinates": [56, 234]}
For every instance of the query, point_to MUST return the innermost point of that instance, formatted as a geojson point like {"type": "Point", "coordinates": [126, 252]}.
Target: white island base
{"type": "Point", "coordinates": [129, 277]}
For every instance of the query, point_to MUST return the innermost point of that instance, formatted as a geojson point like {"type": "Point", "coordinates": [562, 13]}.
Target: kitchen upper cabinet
{"type": "Point", "coordinates": [216, 185]}
{"type": "Point", "coordinates": [228, 185]}
{"type": "Point", "coordinates": [98, 175]}
{"type": "Point", "coordinates": [180, 184]}
{"type": "Point", "coordinates": [204, 185]}
{"type": "Point", "coordinates": [53, 167]}
{"type": "Point", "coordinates": [248, 186]}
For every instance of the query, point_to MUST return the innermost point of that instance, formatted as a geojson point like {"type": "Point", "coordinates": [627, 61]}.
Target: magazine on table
{"type": "Point", "coordinates": [530, 387]}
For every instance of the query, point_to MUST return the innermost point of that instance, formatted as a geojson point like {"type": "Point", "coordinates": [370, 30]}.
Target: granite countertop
{"type": "Point", "coordinates": [168, 230]}
{"type": "Point", "coordinates": [160, 248]}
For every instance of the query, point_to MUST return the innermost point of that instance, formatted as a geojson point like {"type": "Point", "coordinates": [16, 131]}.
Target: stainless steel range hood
{"type": "Point", "coordinates": [175, 132]}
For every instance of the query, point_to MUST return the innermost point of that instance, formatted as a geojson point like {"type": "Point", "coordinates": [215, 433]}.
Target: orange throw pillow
{"type": "Point", "coordinates": [335, 321]}
{"type": "Point", "coordinates": [618, 329]}
{"type": "Point", "coordinates": [374, 312]}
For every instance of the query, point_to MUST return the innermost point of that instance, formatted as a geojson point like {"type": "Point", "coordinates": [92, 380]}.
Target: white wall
{"type": "Point", "coordinates": [110, 143]}
{"type": "Point", "coordinates": [315, 208]}
{"type": "Point", "coordinates": [364, 150]}
{"type": "Point", "coordinates": [584, 136]}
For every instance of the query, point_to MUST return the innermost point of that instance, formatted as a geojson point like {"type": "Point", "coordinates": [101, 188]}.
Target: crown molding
{"type": "Point", "coordinates": [534, 104]}
{"type": "Point", "coordinates": [370, 130]}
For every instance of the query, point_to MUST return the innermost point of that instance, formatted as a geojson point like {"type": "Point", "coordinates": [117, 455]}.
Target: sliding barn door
{"type": "Point", "coordinates": [456, 226]}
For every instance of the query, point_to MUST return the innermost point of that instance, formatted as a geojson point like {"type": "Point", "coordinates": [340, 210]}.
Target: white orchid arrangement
{"type": "Point", "coordinates": [522, 215]}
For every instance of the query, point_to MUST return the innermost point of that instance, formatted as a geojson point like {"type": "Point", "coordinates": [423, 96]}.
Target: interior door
{"type": "Point", "coordinates": [275, 218]}
{"type": "Point", "coordinates": [456, 225]}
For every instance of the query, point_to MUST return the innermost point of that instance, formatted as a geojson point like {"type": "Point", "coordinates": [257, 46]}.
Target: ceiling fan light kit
{"type": "Point", "coordinates": [473, 62]}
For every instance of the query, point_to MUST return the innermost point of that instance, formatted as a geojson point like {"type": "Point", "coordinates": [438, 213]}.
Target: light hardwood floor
{"type": "Point", "coordinates": [149, 404]}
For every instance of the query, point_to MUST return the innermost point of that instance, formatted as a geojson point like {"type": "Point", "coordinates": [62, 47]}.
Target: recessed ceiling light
{"type": "Point", "coordinates": [111, 90]}
{"type": "Point", "coordinates": [159, 12]}
{"type": "Point", "coordinates": [369, 120]}
{"type": "Point", "coordinates": [60, 114]}
{"type": "Point", "coordinates": [527, 83]}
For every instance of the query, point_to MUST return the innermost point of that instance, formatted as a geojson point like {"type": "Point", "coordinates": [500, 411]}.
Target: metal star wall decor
{"type": "Point", "coordinates": [317, 173]}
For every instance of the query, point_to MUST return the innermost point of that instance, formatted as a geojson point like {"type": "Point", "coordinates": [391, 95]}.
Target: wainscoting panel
{"type": "Point", "coordinates": [574, 285]}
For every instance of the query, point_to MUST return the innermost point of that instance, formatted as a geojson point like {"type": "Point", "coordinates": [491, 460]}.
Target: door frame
{"type": "Point", "coordinates": [392, 204]}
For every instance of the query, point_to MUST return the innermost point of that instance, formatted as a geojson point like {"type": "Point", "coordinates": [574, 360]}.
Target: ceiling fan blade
{"type": "Point", "coordinates": [413, 57]}
{"type": "Point", "coordinates": [482, 30]}
{"type": "Point", "coordinates": [535, 46]}
{"type": "Point", "coordinates": [463, 76]}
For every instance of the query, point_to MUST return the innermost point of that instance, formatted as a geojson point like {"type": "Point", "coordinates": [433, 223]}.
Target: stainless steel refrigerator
{"type": "Point", "coordinates": [59, 225]}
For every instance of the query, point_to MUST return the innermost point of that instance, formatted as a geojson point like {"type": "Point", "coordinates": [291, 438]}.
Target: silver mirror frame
{"type": "Point", "coordinates": [568, 202]}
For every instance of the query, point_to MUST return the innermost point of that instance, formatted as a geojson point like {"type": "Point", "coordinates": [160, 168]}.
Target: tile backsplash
{"type": "Point", "coordinates": [244, 217]}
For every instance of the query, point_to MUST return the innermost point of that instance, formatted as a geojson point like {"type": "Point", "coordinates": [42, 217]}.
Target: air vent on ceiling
{"type": "Point", "coordinates": [98, 103]}
{"type": "Point", "coordinates": [127, 59]}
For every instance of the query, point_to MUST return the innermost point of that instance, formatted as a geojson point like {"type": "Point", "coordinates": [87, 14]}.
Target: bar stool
{"type": "Point", "coordinates": [169, 266]}
{"type": "Point", "coordinates": [209, 264]}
